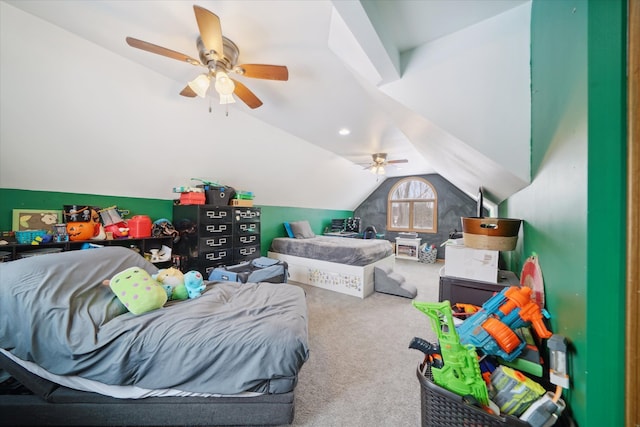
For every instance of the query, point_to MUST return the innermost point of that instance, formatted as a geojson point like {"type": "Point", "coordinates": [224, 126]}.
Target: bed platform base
{"type": "Point", "coordinates": [347, 279]}
{"type": "Point", "coordinates": [54, 405]}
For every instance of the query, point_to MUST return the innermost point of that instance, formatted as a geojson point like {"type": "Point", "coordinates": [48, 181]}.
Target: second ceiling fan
{"type": "Point", "coordinates": [380, 161]}
{"type": "Point", "coordinates": [219, 55]}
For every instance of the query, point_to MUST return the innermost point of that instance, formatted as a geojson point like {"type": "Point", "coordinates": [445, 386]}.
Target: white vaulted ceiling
{"type": "Point", "coordinates": [443, 83]}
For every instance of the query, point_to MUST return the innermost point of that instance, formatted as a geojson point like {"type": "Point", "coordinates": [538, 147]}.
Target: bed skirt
{"type": "Point", "coordinates": [347, 279]}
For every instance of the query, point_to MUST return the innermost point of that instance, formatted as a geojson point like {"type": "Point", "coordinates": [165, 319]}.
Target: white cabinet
{"type": "Point", "coordinates": [407, 248]}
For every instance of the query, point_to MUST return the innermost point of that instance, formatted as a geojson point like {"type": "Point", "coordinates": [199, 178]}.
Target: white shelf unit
{"type": "Point", "coordinates": [407, 248]}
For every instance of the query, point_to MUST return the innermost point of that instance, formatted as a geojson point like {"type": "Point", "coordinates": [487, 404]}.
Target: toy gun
{"type": "Point", "coordinates": [546, 410]}
{"type": "Point", "coordinates": [460, 371]}
{"type": "Point", "coordinates": [431, 352]}
{"type": "Point", "coordinates": [492, 328]}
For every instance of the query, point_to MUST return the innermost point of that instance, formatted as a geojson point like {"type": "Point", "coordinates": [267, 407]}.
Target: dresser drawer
{"type": "Point", "coordinates": [215, 229]}
{"type": "Point", "coordinates": [246, 239]}
{"type": "Point", "coordinates": [244, 253]}
{"type": "Point", "coordinates": [246, 214]}
{"type": "Point", "coordinates": [215, 242]}
{"type": "Point", "coordinates": [215, 214]}
{"type": "Point", "coordinates": [216, 256]}
{"type": "Point", "coordinates": [245, 228]}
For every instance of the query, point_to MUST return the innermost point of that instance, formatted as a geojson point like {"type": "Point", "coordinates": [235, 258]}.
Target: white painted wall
{"type": "Point", "coordinates": [475, 85]}
{"type": "Point", "coordinates": [76, 118]}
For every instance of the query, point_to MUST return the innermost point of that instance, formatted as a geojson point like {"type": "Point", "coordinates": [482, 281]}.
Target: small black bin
{"type": "Point", "coordinates": [217, 195]}
{"type": "Point", "coordinates": [442, 408]}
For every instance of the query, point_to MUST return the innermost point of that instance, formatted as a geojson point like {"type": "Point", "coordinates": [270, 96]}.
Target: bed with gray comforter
{"type": "Point", "coordinates": [234, 338]}
{"type": "Point", "coordinates": [342, 250]}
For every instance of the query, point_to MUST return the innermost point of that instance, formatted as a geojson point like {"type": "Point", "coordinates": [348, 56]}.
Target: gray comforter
{"type": "Point", "coordinates": [234, 338]}
{"type": "Point", "coordinates": [341, 250]}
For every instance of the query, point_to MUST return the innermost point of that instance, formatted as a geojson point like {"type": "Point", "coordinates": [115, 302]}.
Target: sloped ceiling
{"type": "Point", "coordinates": [443, 83]}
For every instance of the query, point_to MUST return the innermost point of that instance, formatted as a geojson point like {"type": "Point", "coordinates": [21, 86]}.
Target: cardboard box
{"type": "Point", "coordinates": [473, 264]}
{"type": "Point", "coordinates": [241, 202]}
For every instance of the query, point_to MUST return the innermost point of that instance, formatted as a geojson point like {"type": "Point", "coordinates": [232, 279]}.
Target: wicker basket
{"type": "Point", "coordinates": [428, 257]}
{"type": "Point", "coordinates": [497, 234]}
{"type": "Point", "coordinates": [442, 408]}
{"type": "Point", "coordinates": [25, 237]}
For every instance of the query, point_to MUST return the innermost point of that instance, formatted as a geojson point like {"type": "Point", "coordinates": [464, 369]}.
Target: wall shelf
{"type": "Point", "coordinates": [142, 245]}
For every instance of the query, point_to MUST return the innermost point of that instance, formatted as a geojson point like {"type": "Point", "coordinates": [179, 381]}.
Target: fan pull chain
{"type": "Point", "coordinates": [209, 105]}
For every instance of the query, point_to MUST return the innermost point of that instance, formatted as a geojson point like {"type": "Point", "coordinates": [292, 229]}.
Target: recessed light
{"type": "Point", "coordinates": [344, 131]}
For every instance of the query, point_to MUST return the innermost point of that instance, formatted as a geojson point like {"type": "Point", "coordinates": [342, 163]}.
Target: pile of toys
{"type": "Point", "coordinates": [493, 361]}
{"type": "Point", "coordinates": [212, 193]}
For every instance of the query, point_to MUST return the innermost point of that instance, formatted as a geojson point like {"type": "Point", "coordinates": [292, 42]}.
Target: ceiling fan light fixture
{"type": "Point", "coordinates": [225, 87]}
{"type": "Point", "coordinates": [377, 170]}
{"type": "Point", "coordinates": [200, 85]}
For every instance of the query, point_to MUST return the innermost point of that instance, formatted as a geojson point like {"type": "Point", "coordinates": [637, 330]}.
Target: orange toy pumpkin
{"type": "Point", "coordinates": [82, 230]}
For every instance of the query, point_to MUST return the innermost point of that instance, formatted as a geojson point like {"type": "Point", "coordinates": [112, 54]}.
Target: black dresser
{"type": "Point", "coordinates": [214, 236]}
{"type": "Point", "coordinates": [467, 291]}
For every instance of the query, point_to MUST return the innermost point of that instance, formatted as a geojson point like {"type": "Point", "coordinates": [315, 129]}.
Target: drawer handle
{"type": "Point", "coordinates": [212, 257]}
{"type": "Point", "coordinates": [245, 251]}
{"type": "Point", "coordinates": [247, 239]}
{"type": "Point", "coordinates": [248, 227]}
{"type": "Point", "coordinates": [220, 229]}
{"type": "Point", "coordinates": [247, 214]}
{"type": "Point", "coordinates": [212, 242]}
{"type": "Point", "coordinates": [215, 214]}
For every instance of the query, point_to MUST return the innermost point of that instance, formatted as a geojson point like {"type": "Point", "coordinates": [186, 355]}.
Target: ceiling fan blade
{"type": "Point", "coordinates": [263, 71]}
{"type": "Point", "coordinates": [159, 50]}
{"type": "Point", "coordinates": [248, 97]}
{"type": "Point", "coordinates": [398, 161]}
{"type": "Point", "coordinates": [210, 29]}
{"type": "Point", "coordinates": [188, 92]}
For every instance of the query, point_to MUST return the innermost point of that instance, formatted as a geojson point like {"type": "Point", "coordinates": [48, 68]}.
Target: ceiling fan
{"type": "Point", "coordinates": [380, 161]}
{"type": "Point", "coordinates": [219, 55]}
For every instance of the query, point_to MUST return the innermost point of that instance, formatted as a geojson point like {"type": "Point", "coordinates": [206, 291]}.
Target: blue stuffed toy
{"type": "Point", "coordinates": [194, 283]}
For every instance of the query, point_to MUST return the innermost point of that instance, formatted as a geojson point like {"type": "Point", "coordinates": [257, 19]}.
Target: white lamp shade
{"type": "Point", "coordinates": [377, 170]}
{"type": "Point", "coordinates": [200, 85]}
{"type": "Point", "coordinates": [225, 87]}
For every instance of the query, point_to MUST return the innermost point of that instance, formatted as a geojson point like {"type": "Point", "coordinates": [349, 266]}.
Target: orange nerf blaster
{"type": "Point", "coordinates": [492, 328]}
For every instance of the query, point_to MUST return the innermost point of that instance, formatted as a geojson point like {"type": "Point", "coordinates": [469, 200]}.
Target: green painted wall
{"type": "Point", "coordinates": [12, 199]}
{"type": "Point", "coordinates": [574, 208]}
{"type": "Point", "coordinates": [273, 217]}
{"type": "Point", "coordinates": [271, 222]}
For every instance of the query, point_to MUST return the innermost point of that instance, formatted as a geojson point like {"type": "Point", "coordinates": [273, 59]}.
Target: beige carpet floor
{"type": "Point", "coordinates": [360, 370]}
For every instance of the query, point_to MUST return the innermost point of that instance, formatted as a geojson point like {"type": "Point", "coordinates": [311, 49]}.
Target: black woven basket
{"type": "Point", "coordinates": [442, 408]}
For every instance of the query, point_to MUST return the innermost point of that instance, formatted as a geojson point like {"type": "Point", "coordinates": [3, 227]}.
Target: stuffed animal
{"type": "Point", "coordinates": [136, 289]}
{"type": "Point", "coordinates": [194, 282]}
{"type": "Point", "coordinates": [172, 280]}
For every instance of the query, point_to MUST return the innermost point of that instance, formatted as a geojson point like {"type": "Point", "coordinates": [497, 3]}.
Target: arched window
{"type": "Point", "coordinates": [412, 206]}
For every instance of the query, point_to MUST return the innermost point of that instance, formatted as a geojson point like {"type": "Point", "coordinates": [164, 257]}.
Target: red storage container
{"type": "Point", "coordinates": [192, 198]}
{"type": "Point", "coordinates": [139, 226]}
